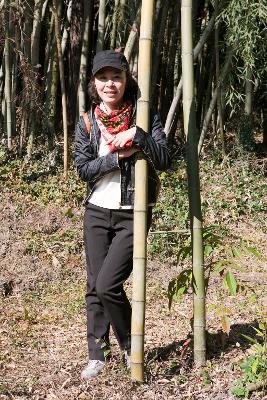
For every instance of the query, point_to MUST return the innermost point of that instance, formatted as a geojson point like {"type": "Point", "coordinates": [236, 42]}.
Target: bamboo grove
{"type": "Point", "coordinates": [46, 49]}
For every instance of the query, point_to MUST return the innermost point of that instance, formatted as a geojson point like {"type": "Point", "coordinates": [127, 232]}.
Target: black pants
{"type": "Point", "coordinates": [108, 238]}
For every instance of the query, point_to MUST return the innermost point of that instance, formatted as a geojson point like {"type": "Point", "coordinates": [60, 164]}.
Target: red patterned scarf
{"type": "Point", "coordinates": [115, 122]}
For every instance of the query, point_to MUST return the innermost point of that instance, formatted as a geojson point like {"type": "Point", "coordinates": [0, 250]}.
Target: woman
{"type": "Point", "coordinates": [106, 144]}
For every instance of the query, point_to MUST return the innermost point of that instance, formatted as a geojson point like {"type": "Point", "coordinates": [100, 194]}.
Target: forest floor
{"type": "Point", "coordinates": [42, 320]}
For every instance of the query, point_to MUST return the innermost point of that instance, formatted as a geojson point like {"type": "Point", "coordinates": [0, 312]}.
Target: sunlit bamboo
{"type": "Point", "coordinates": [63, 89]}
{"type": "Point", "coordinates": [193, 183]}
{"type": "Point", "coordinates": [140, 202]}
{"type": "Point", "coordinates": [101, 25]}
{"type": "Point", "coordinates": [8, 68]}
{"type": "Point", "coordinates": [88, 9]}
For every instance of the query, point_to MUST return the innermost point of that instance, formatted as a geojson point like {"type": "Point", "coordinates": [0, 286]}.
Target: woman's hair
{"type": "Point", "coordinates": [131, 89]}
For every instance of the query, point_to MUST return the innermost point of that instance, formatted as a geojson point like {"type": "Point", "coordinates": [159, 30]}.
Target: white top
{"type": "Point", "coordinates": [107, 191]}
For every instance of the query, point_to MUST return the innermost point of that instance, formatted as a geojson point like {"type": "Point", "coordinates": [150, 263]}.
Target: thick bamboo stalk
{"type": "Point", "coordinates": [101, 25]}
{"type": "Point", "coordinates": [193, 183]}
{"type": "Point", "coordinates": [8, 69]}
{"type": "Point", "coordinates": [140, 203]}
{"type": "Point", "coordinates": [88, 10]}
{"type": "Point", "coordinates": [177, 97]}
{"type": "Point", "coordinates": [63, 89]}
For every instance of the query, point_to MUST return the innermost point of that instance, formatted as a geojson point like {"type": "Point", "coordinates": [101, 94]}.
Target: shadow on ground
{"type": "Point", "coordinates": [179, 354]}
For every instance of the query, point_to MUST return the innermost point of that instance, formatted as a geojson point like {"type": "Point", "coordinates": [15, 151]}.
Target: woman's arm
{"type": "Point", "coordinates": [89, 167]}
{"type": "Point", "coordinates": [154, 144]}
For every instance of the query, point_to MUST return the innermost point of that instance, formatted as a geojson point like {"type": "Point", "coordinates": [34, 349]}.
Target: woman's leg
{"type": "Point", "coordinates": [97, 239]}
{"type": "Point", "coordinates": [116, 269]}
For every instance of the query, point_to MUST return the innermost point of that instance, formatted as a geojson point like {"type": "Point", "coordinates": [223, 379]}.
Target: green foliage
{"type": "Point", "coordinates": [246, 23]}
{"type": "Point", "coordinates": [254, 367]}
{"type": "Point", "coordinates": [38, 181]}
{"type": "Point", "coordinates": [179, 286]}
{"type": "Point", "coordinates": [240, 192]}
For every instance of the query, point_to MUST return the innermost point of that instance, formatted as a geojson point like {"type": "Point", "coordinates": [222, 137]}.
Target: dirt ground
{"type": "Point", "coordinates": [42, 327]}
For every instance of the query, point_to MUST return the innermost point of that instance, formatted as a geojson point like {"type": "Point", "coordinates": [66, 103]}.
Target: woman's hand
{"type": "Point", "coordinates": [127, 152]}
{"type": "Point", "coordinates": [119, 141]}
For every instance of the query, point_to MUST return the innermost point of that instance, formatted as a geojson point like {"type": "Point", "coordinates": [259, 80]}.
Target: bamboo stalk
{"type": "Point", "coordinates": [115, 18]}
{"type": "Point", "coordinates": [122, 24]}
{"type": "Point", "coordinates": [27, 30]}
{"type": "Point", "coordinates": [177, 97]}
{"type": "Point", "coordinates": [248, 92]}
{"type": "Point", "coordinates": [8, 69]}
{"type": "Point", "coordinates": [174, 34]}
{"type": "Point", "coordinates": [66, 28]}
{"type": "Point", "coordinates": [140, 202]}
{"type": "Point", "coordinates": [193, 183]}
{"type": "Point", "coordinates": [213, 101]}
{"type": "Point", "coordinates": [36, 31]}
{"type": "Point", "coordinates": [88, 9]}
{"type": "Point", "coordinates": [132, 36]}
{"type": "Point", "coordinates": [157, 53]}
{"type": "Point", "coordinates": [217, 71]}
{"type": "Point", "coordinates": [101, 25]}
{"type": "Point", "coordinates": [63, 89]}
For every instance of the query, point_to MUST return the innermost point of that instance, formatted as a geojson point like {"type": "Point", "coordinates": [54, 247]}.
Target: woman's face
{"type": "Point", "coordinates": [110, 84]}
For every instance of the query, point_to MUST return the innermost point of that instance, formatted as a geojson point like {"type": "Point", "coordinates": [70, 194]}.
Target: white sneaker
{"type": "Point", "coordinates": [93, 368]}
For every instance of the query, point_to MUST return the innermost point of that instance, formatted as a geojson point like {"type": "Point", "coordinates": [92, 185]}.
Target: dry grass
{"type": "Point", "coordinates": [42, 322]}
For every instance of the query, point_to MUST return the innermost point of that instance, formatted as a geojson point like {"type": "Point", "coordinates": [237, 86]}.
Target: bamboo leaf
{"type": "Point", "coordinates": [252, 250]}
{"type": "Point", "coordinates": [230, 282]}
{"type": "Point", "coordinates": [254, 366]}
{"type": "Point", "coordinates": [250, 339]}
{"type": "Point", "coordinates": [208, 250]}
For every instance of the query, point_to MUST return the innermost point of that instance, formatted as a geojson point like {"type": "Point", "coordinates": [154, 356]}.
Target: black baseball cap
{"type": "Point", "coordinates": [109, 58]}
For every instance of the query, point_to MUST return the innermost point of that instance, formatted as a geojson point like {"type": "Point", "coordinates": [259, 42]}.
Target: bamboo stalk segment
{"type": "Point", "coordinates": [8, 67]}
{"type": "Point", "coordinates": [140, 203]}
{"type": "Point", "coordinates": [193, 183]}
{"type": "Point", "coordinates": [63, 89]}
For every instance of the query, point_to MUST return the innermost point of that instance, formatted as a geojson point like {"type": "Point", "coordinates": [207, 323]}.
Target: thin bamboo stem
{"type": "Point", "coordinates": [157, 53]}
{"type": "Point", "coordinates": [193, 183]}
{"type": "Point", "coordinates": [63, 89]}
{"type": "Point", "coordinates": [8, 69]}
{"type": "Point", "coordinates": [115, 18]}
{"type": "Point", "coordinates": [101, 25]}
{"type": "Point", "coordinates": [225, 69]}
{"type": "Point", "coordinates": [140, 203]}
{"type": "Point", "coordinates": [66, 28]}
{"type": "Point", "coordinates": [132, 36]}
{"type": "Point", "coordinates": [88, 9]}
{"type": "Point", "coordinates": [177, 97]}
{"type": "Point", "coordinates": [36, 31]}
{"type": "Point", "coordinates": [217, 69]}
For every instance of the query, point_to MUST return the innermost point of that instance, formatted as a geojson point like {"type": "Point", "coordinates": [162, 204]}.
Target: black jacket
{"type": "Point", "coordinates": [91, 167]}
